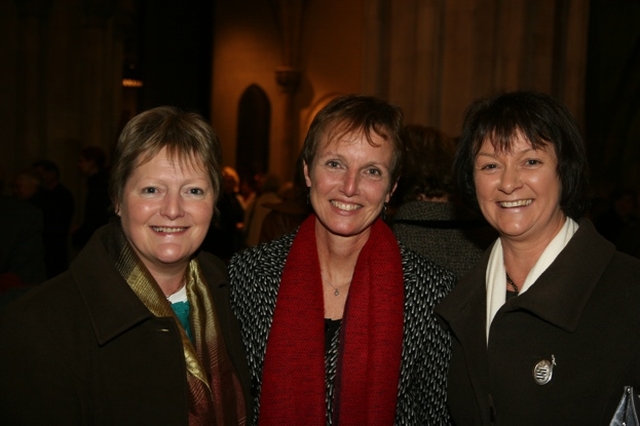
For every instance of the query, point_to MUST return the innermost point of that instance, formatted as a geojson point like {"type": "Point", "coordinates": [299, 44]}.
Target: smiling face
{"type": "Point", "coordinates": [349, 182]}
{"type": "Point", "coordinates": [166, 210]}
{"type": "Point", "coordinates": [519, 191]}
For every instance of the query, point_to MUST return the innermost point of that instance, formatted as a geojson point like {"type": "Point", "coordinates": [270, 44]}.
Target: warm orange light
{"type": "Point", "coordinates": [129, 82]}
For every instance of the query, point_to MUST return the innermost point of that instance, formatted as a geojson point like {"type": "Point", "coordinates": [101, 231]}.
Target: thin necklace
{"type": "Point", "coordinates": [512, 284]}
{"type": "Point", "coordinates": [336, 292]}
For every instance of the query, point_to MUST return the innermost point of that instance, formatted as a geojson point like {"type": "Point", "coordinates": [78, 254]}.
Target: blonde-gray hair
{"type": "Point", "coordinates": [186, 135]}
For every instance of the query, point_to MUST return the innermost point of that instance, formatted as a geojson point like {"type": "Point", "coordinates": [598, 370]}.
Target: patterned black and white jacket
{"type": "Point", "coordinates": [255, 278]}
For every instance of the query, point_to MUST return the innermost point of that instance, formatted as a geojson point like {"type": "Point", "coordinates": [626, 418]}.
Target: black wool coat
{"type": "Point", "coordinates": [83, 349]}
{"type": "Point", "coordinates": [583, 313]}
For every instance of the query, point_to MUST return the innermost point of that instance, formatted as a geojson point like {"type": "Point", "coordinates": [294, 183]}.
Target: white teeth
{"type": "Point", "coordinates": [167, 230]}
{"type": "Point", "coordinates": [518, 203]}
{"type": "Point", "coordinates": [345, 207]}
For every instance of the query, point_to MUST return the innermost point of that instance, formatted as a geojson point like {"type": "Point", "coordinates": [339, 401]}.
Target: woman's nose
{"type": "Point", "coordinates": [350, 183]}
{"type": "Point", "coordinates": [510, 180]}
{"type": "Point", "coordinates": [172, 206]}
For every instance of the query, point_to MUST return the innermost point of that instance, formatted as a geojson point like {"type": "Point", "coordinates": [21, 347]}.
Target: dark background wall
{"type": "Point", "coordinates": [63, 62]}
{"type": "Point", "coordinates": [612, 101]}
{"type": "Point", "coordinates": [175, 53]}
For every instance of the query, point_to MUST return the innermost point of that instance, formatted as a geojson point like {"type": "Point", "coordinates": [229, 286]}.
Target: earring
{"type": "Point", "coordinates": [384, 211]}
{"type": "Point", "coordinates": [308, 195]}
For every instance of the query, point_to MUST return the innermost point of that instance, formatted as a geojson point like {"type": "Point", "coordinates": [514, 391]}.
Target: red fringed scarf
{"type": "Point", "coordinates": [293, 381]}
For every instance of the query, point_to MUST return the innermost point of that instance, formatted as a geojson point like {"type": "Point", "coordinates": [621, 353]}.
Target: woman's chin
{"type": "Point", "coordinates": [172, 257]}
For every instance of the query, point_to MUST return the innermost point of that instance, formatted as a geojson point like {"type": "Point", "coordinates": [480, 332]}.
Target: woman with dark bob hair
{"type": "Point", "coordinates": [139, 330]}
{"type": "Point", "coordinates": [337, 317]}
{"type": "Point", "coordinates": [546, 327]}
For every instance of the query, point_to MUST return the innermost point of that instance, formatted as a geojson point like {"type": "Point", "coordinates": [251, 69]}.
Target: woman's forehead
{"type": "Point", "coordinates": [517, 140]}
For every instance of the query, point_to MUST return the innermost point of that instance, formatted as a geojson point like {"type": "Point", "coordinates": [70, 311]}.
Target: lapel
{"type": "Point", "coordinates": [562, 292]}
{"type": "Point", "coordinates": [559, 296]}
{"type": "Point", "coordinates": [217, 280]}
{"type": "Point", "coordinates": [464, 313]}
{"type": "Point", "coordinates": [112, 306]}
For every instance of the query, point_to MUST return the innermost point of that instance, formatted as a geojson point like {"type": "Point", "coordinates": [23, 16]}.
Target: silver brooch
{"type": "Point", "coordinates": [543, 371]}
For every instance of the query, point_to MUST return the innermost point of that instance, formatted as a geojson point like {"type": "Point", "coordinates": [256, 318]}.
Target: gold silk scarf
{"type": "Point", "coordinates": [215, 393]}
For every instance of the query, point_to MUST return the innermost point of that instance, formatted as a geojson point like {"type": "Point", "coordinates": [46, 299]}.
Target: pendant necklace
{"type": "Point", "coordinates": [337, 291]}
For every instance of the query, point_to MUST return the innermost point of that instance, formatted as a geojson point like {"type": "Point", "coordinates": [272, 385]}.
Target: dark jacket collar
{"type": "Point", "coordinates": [112, 306]}
{"type": "Point", "coordinates": [558, 296]}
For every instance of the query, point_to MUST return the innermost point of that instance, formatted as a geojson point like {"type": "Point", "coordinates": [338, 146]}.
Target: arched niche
{"type": "Point", "coordinates": [254, 124]}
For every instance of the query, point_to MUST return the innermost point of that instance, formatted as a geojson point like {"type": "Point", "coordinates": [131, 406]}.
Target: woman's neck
{"type": "Point", "coordinates": [337, 253]}
{"type": "Point", "coordinates": [170, 279]}
{"type": "Point", "coordinates": [521, 256]}
{"type": "Point", "coordinates": [337, 256]}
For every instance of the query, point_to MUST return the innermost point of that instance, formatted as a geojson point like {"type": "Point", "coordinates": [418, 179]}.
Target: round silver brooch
{"type": "Point", "coordinates": [543, 371]}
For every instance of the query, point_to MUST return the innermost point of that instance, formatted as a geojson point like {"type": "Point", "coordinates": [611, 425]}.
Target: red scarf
{"type": "Point", "coordinates": [293, 381]}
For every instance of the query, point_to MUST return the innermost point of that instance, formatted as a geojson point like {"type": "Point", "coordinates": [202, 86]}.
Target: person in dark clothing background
{"type": "Point", "coordinates": [21, 249]}
{"type": "Point", "coordinates": [92, 165]}
{"type": "Point", "coordinates": [619, 223]}
{"type": "Point", "coordinates": [224, 237]}
{"type": "Point", "coordinates": [430, 218]}
{"type": "Point", "coordinates": [57, 213]}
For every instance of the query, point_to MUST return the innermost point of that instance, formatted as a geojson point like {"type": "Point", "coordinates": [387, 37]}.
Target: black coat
{"type": "Point", "coordinates": [583, 311]}
{"type": "Point", "coordinates": [83, 349]}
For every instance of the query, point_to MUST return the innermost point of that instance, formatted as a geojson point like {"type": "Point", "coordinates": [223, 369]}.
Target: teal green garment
{"type": "Point", "coordinates": [182, 310]}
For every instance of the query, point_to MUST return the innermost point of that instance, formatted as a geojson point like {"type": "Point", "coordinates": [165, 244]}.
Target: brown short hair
{"type": "Point", "coordinates": [186, 135]}
{"type": "Point", "coordinates": [353, 113]}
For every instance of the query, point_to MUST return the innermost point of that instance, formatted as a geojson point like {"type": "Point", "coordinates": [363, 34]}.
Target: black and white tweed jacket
{"type": "Point", "coordinates": [255, 278]}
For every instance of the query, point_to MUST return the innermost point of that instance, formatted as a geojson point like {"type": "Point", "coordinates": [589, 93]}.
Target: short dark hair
{"type": "Point", "coordinates": [543, 121]}
{"type": "Point", "coordinates": [352, 113]}
{"type": "Point", "coordinates": [186, 135]}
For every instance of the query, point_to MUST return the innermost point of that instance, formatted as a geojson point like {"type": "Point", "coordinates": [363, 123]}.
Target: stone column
{"type": "Point", "coordinates": [101, 61]}
{"type": "Point", "coordinates": [288, 76]}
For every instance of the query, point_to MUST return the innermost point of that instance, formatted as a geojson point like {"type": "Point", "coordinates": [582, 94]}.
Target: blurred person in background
{"type": "Point", "coordinates": [288, 214]}
{"type": "Point", "coordinates": [21, 248]}
{"type": "Point", "coordinates": [57, 210]}
{"type": "Point", "coordinates": [257, 210]}
{"type": "Point", "coordinates": [93, 167]}
{"type": "Point", "coordinates": [225, 233]}
{"type": "Point", "coordinates": [430, 218]}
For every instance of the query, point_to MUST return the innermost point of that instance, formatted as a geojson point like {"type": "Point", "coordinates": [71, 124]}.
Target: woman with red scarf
{"type": "Point", "coordinates": [336, 318]}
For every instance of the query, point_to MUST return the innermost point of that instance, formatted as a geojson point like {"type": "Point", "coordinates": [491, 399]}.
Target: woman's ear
{"type": "Point", "coordinates": [307, 179]}
{"type": "Point", "coordinates": [395, 185]}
